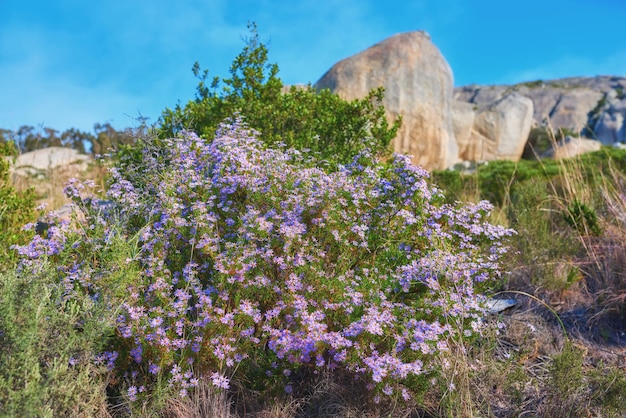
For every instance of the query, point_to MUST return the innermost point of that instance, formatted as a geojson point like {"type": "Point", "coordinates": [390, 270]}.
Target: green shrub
{"type": "Point", "coordinates": [16, 209]}
{"type": "Point", "coordinates": [566, 383]}
{"type": "Point", "coordinates": [582, 218]}
{"type": "Point", "coordinates": [545, 245]}
{"type": "Point", "coordinates": [47, 348]}
{"type": "Point", "coordinates": [541, 139]}
{"type": "Point", "coordinates": [458, 187]}
{"type": "Point", "coordinates": [300, 118]}
{"type": "Point", "coordinates": [608, 386]}
{"type": "Point", "coordinates": [497, 178]}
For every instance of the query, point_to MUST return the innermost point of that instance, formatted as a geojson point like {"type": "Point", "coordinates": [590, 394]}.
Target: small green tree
{"type": "Point", "coordinates": [299, 117]}
{"type": "Point", "coordinates": [107, 138]}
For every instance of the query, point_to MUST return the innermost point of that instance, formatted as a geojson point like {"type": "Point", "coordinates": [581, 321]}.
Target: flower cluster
{"type": "Point", "coordinates": [254, 258]}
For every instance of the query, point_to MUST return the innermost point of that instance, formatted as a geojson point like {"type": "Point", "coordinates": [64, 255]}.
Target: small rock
{"type": "Point", "coordinates": [571, 147]}
{"type": "Point", "coordinates": [498, 305]}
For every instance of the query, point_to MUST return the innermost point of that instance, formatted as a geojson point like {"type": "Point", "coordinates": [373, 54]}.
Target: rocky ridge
{"type": "Point", "coordinates": [593, 107]}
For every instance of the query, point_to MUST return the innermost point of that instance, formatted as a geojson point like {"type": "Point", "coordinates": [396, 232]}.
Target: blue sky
{"type": "Point", "coordinates": [73, 63]}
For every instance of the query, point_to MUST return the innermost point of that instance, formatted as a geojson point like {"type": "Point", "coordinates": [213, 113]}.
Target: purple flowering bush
{"type": "Point", "coordinates": [227, 259]}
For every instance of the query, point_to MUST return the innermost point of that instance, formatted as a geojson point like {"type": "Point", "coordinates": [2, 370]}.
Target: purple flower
{"type": "Point", "coordinates": [132, 393]}
{"type": "Point", "coordinates": [220, 381]}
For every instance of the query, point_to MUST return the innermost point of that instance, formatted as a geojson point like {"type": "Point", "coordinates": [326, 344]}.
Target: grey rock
{"type": "Point", "coordinates": [609, 128]}
{"type": "Point", "coordinates": [418, 85]}
{"type": "Point", "coordinates": [544, 101]}
{"type": "Point", "coordinates": [481, 96]}
{"type": "Point", "coordinates": [579, 104]}
{"type": "Point", "coordinates": [498, 305]}
{"type": "Point", "coordinates": [572, 109]}
{"type": "Point", "coordinates": [41, 161]}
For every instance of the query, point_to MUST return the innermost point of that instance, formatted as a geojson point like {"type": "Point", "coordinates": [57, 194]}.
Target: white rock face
{"type": "Point", "coordinates": [572, 109]}
{"type": "Point", "coordinates": [500, 130]}
{"type": "Point", "coordinates": [40, 161]}
{"type": "Point", "coordinates": [418, 85]}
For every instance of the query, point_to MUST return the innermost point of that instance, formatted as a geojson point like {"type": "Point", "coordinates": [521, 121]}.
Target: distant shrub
{"type": "Point", "coordinates": [546, 244]}
{"type": "Point", "coordinates": [254, 262]}
{"type": "Point", "coordinates": [605, 160]}
{"type": "Point", "coordinates": [497, 178]}
{"type": "Point", "coordinates": [582, 218]}
{"type": "Point", "coordinates": [542, 138]}
{"type": "Point", "coordinates": [458, 187]}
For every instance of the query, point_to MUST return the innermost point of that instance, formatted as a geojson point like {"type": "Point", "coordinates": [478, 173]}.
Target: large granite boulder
{"type": "Point", "coordinates": [418, 85]}
{"type": "Point", "coordinates": [463, 117]}
{"type": "Point", "coordinates": [480, 95]}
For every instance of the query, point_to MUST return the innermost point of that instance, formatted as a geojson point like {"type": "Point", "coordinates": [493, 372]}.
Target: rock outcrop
{"type": "Point", "coordinates": [608, 120]}
{"type": "Point", "coordinates": [463, 117]}
{"type": "Point", "coordinates": [592, 106]}
{"type": "Point", "coordinates": [418, 85]}
{"type": "Point", "coordinates": [42, 161]}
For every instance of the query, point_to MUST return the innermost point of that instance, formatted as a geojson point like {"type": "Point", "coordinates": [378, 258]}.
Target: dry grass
{"type": "Point", "coordinates": [205, 401]}
{"type": "Point", "coordinates": [325, 395]}
{"type": "Point", "coordinates": [532, 368]}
